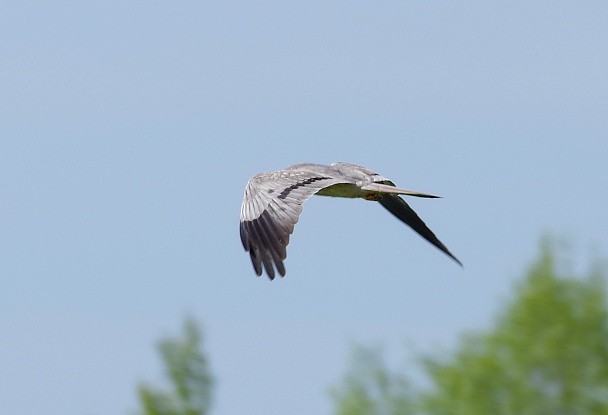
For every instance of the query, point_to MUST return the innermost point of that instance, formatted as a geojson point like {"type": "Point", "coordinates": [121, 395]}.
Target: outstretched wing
{"type": "Point", "coordinates": [271, 207]}
{"type": "Point", "coordinates": [399, 207]}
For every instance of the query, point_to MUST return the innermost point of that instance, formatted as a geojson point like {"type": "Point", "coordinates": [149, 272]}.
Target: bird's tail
{"type": "Point", "coordinates": [391, 189]}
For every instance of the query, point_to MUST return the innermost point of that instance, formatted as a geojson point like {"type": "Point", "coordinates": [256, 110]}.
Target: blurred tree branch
{"type": "Point", "coordinates": [547, 354]}
{"type": "Point", "coordinates": [187, 368]}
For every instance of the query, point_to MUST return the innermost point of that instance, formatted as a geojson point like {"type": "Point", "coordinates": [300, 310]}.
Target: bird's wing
{"type": "Point", "coordinates": [399, 207]}
{"type": "Point", "coordinates": [271, 207]}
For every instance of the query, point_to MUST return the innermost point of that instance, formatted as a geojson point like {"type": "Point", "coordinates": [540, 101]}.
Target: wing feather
{"type": "Point", "coordinates": [271, 207]}
{"type": "Point", "coordinates": [399, 207]}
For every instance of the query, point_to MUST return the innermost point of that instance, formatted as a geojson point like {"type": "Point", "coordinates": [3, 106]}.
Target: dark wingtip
{"type": "Point", "coordinates": [457, 260]}
{"type": "Point", "coordinates": [399, 207]}
{"type": "Point", "coordinates": [445, 250]}
{"type": "Point", "coordinates": [280, 268]}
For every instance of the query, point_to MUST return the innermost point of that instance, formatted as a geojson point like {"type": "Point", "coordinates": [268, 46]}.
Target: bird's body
{"type": "Point", "coordinates": [273, 202]}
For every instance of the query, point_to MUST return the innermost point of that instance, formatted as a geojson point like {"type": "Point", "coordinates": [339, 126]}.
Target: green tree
{"type": "Point", "coordinates": [547, 353]}
{"type": "Point", "coordinates": [369, 388]}
{"type": "Point", "coordinates": [187, 368]}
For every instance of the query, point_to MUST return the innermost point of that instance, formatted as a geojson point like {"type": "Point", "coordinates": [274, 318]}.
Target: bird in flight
{"type": "Point", "coordinates": [273, 202]}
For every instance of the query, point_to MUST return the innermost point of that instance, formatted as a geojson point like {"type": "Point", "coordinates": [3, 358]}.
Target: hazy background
{"type": "Point", "coordinates": [128, 131]}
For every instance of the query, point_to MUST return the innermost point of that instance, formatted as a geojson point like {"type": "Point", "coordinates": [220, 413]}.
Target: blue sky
{"type": "Point", "coordinates": [129, 130]}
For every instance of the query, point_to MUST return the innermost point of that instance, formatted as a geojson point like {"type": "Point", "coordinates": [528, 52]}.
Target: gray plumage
{"type": "Point", "coordinates": [273, 202]}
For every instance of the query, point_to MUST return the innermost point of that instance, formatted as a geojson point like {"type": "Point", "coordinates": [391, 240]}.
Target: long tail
{"type": "Point", "coordinates": [385, 188]}
{"type": "Point", "coordinates": [399, 207]}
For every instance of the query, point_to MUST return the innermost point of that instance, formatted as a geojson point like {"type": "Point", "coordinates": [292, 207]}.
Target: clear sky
{"type": "Point", "coordinates": [128, 131]}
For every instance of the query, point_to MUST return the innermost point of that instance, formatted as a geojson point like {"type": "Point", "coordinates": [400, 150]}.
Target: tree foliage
{"type": "Point", "coordinates": [547, 353]}
{"type": "Point", "coordinates": [187, 369]}
{"type": "Point", "coordinates": [370, 388]}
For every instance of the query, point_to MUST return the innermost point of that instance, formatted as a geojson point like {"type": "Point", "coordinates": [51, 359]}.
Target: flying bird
{"type": "Point", "coordinates": [273, 202]}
